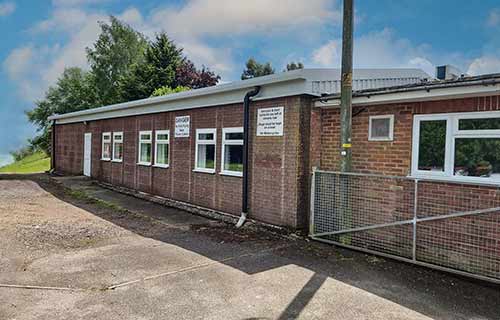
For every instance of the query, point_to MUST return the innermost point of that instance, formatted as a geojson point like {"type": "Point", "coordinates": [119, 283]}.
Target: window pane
{"type": "Point", "coordinates": [205, 136]}
{"type": "Point", "coordinates": [162, 137]}
{"type": "Point", "coordinates": [234, 136]}
{"type": "Point", "coordinates": [145, 137]}
{"type": "Point", "coordinates": [162, 153]}
{"type": "Point", "coordinates": [479, 124]}
{"type": "Point", "coordinates": [118, 152]}
{"type": "Point", "coordinates": [106, 137]}
{"type": "Point", "coordinates": [106, 152]}
{"type": "Point", "coordinates": [381, 128]}
{"type": "Point", "coordinates": [478, 157]}
{"type": "Point", "coordinates": [206, 156]}
{"type": "Point", "coordinates": [145, 152]}
{"type": "Point", "coordinates": [118, 137]}
{"type": "Point", "coordinates": [431, 149]}
{"type": "Point", "coordinates": [233, 158]}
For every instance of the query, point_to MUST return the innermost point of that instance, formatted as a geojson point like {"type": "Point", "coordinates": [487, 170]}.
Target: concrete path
{"type": "Point", "coordinates": [66, 255]}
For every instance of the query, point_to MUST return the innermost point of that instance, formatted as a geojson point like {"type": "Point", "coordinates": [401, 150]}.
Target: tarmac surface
{"type": "Point", "coordinates": [74, 250]}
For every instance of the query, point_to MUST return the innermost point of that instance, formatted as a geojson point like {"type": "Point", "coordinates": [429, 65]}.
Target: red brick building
{"type": "Point", "coordinates": [188, 146]}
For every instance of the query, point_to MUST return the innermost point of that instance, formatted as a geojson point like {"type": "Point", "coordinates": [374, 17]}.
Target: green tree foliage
{"type": "Point", "coordinates": [124, 66]}
{"type": "Point", "coordinates": [294, 66]}
{"type": "Point", "coordinates": [164, 65]}
{"type": "Point", "coordinates": [255, 69]}
{"type": "Point", "coordinates": [118, 48]}
{"type": "Point", "coordinates": [166, 90]}
{"type": "Point", "coordinates": [73, 91]}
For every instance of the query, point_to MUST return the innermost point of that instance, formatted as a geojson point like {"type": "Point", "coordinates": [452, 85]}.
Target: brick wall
{"type": "Point", "coordinates": [278, 172]}
{"type": "Point", "coordinates": [384, 157]}
{"type": "Point", "coordinates": [466, 243]}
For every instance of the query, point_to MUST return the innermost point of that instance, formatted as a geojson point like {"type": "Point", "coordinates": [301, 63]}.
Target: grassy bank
{"type": "Point", "coordinates": [38, 162]}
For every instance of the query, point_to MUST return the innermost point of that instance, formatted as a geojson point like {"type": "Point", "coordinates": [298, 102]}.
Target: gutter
{"type": "Point", "coordinates": [367, 94]}
{"type": "Point", "coordinates": [53, 148]}
{"type": "Point", "coordinates": [246, 128]}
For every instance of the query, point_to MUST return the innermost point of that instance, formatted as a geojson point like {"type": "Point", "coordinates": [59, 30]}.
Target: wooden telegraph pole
{"type": "Point", "coordinates": [346, 90]}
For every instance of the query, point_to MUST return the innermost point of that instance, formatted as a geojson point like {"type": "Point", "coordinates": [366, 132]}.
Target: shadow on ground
{"type": "Point", "coordinates": [428, 292]}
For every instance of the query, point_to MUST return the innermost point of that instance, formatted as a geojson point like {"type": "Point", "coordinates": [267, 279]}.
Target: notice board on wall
{"type": "Point", "coordinates": [270, 121]}
{"type": "Point", "coordinates": [182, 126]}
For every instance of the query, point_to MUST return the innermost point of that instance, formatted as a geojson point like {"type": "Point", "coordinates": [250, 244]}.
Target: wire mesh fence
{"type": "Point", "coordinates": [452, 226]}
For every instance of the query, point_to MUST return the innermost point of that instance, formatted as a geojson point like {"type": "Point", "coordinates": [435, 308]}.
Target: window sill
{"type": "Point", "coordinates": [201, 170]}
{"type": "Point", "coordinates": [145, 164]}
{"type": "Point", "coordinates": [231, 173]}
{"type": "Point", "coordinates": [381, 139]}
{"type": "Point", "coordinates": [117, 160]}
{"type": "Point", "coordinates": [459, 180]}
{"type": "Point", "coordinates": [162, 166]}
{"type": "Point", "coordinates": [105, 159]}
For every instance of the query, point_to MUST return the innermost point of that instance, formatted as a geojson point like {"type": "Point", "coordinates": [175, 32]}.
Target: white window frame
{"type": "Point", "coordinates": [115, 141]}
{"type": "Point", "coordinates": [205, 142]}
{"type": "Point", "coordinates": [106, 135]}
{"type": "Point", "coordinates": [141, 141]}
{"type": "Point", "coordinates": [230, 142]}
{"type": "Point", "coordinates": [452, 133]}
{"type": "Point", "coordinates": [162, 141]}
{"type": "Point", "coordinates": [391, 128]}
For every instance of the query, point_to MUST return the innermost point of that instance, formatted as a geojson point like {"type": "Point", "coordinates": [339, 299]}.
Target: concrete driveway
{"type": "Point", "coordinates": [91, 253]}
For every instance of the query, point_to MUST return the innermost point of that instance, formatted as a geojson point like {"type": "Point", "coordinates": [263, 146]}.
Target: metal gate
{"type": "Point", "coordinates": [449, 226]}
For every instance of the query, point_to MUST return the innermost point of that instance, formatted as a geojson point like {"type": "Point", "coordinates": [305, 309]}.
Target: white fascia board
{"type": "Point", "coordinates": [424, 94]}
{"type": "Point", "coordinates": [205, 93]}
{"type": "Point", "coordinates": [149, 106]}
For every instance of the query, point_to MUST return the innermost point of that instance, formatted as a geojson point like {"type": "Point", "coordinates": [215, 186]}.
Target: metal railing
{"type": "Point", "coordinates": [445, 225]}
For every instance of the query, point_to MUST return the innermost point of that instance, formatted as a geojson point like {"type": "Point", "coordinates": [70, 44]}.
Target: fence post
{"type": "Point", "coordinates": [311, 209]}
{"type": "Point", "coordinates": [415, 215]}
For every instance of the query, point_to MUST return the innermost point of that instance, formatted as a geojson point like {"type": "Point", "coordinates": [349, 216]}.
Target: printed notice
{"type": "Point", "coordinates": [182, 127]}
{"type": "Point", "coordinates": [270, 122]}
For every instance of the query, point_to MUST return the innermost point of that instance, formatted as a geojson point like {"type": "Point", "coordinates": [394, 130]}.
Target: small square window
{"type": "Point", "coordinates": [106, 146]}
{"type": "Point", "coordinates": [232, 151]}
{"type": "Point", "coordinates": [145, 147]}
{"type": "Point", "coordinates": [381, 128]}
{"type": "Point", "coordinates": [205, 150]}
{"type": "Point", "coordinates": [117, 146]}
{"type": "Point", "coordinates": [162, 144]}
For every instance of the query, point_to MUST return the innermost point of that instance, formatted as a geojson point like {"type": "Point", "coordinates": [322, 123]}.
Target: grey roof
{"type": "Point", "coordinates": [315, 82]}
{"type": "Point", "coordinates": [485, 80]}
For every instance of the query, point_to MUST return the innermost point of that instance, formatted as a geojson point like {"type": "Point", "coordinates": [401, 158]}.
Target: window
{"type": "Point", "coordinates": [381, 128]}
{"type": "Point", "coordinates": [461, 146]}
{"type": "Point", "coordinates": [162, 141]}
{"type": "Point", "coordinates": [106, 146]}
{"type": "Point", "coordinates": [117, 146]}
{"type": "Point", "coordinates": [232, 151]}
{"type": "Point", "coordinates": [205, 150]}
{"type": "Point", "coordinates": [145, 146]}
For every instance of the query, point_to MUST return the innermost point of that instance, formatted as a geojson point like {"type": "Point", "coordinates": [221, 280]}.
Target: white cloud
{"type": "Point", "coordinates": [206, 17]}
{"type": "Point", "coordinates": [380, 49]}
{"type": "Point", "coordinates": [7, 8]}
{"type": "Point", "coordinates": [329, 54]}
{"type": "Point", "coordinates": [484, 65]}
{"type": "Point", "coordinates": [494, 18]}
{"type": "Point", "coordinates": [72, 3]}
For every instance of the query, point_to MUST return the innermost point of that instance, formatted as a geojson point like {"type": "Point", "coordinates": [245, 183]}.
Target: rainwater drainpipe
{"type": "Point", "coordinates": [53, 148]}
{"type": "Point", "coordinates": [246, 126]}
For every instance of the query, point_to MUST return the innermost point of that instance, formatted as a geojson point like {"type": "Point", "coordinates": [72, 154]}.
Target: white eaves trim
{"type": "Point", "coordinates": [296, 82]}
{"type": "Point", "coordinates": [423, 94]}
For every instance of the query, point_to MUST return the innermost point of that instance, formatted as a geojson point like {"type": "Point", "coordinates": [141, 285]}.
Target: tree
{"type": "Point", "coordinates": [255, 69]}
{"type": "Point", "coordinates": [294, 66]}
{"type": "Point", "coordinates": [187, 75]}
{"type": "Point", "coordinates": [164, 66]}
{"type": "Point", "coordinates": [164, 91]}
{"type": "Point", "coordinates": [73, 91]}
{"type": "Point", "coordinates": [118, 48]}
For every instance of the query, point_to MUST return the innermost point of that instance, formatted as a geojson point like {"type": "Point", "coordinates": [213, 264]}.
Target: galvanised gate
{"type": "Point", "coordinates": [449, 226]}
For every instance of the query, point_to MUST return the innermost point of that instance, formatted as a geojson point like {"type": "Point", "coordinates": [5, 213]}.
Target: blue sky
{"type": "Point", "coordinates": [40, 38]}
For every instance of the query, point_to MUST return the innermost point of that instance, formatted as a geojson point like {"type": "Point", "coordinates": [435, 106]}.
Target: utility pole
{"type": "Point", "coordinates": [346, 121]}
{"type": "Point", "coordinates": [346, 90]}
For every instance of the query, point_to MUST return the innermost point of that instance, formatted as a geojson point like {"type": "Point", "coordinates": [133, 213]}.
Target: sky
{"type": "Point", "coordinates": [40, 38]}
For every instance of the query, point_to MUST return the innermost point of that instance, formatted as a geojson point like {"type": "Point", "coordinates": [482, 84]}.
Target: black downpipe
{"type": "Point", "coordinates": [53, 148]}
{"type": "Point", "coordinates": [246, 134]}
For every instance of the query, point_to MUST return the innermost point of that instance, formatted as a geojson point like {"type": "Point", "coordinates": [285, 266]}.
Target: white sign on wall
{"type": "Point", "coordinates": [182, 127]}
{"type": "Point", "coordinates": [270, 122]}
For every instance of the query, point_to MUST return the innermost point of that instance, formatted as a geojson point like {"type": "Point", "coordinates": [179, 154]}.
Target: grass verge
{"type": "Point", "coordinates": [35, 163]}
